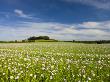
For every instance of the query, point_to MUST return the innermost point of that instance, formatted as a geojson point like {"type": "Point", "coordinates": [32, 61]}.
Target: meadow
{"type": "Point", "coordinates": [54, 62]}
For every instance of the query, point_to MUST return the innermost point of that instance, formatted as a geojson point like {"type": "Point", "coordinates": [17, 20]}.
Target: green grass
{"type": "Point", "coordinates": [54, 62]}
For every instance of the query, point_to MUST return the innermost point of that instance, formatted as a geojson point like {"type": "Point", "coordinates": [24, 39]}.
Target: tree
{"type": "Point", "coordinates": [16, 41]}
{"type": "Point", "coordinates": [73, 40]}
{"type": "Point", "coordinates": [39, 38]}
{"type": "Point", "coordinates": [32, 38]}
{"type": "Point", "coordinates": [46, 38]}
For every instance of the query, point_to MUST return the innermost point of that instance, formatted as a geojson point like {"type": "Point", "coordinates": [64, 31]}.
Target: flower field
{"type": "Point", "coordinates": [54, 62]}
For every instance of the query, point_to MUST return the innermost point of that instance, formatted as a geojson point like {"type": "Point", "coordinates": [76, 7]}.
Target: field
{"type": "Point", "coordinates": [54, 62]}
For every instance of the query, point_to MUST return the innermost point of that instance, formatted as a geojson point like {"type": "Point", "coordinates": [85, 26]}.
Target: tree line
{"type": "Point", "coordinates": [47, 39]}
{"type": "Point", "coordinates": [93, 42]}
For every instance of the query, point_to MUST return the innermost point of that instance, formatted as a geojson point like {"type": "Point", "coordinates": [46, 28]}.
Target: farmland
{"type": "Point", "coordinates": [54, 62]}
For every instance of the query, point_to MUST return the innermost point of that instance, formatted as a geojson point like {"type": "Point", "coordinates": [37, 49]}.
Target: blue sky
{"type": "Point", "coordinates": [59, 19]}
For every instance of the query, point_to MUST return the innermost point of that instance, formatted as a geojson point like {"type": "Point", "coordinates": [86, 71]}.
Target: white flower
{"type": "Point", "coordinates": [34, 76]}
{"type": "Point", "coordinates": [52, 67]}
{"type": "Point", "coordinates": [15, 69]}
{"type": "Point", "coordinates": [68, 61]}
{"type": "Point", "coordinates": [11, 77]}
{"type": "Point", "coordinates": [99, 61]}
{"type": "Point", "coordinates": [89, 78]}
{"type": "Point", "coordinates": [65, 80]}
{"type": "Point", "coordinates": [21, 72]}
{"type": "Point", "coordinates": [93, 74]}
{"type": "Point", "coordinates": [42, 75]}
{"type": "Point", "coordinates": [51, 77]}
{"type": "Point", "coordinates": [107, 74]}
{"type": "Point", "coordinates": [3, 73]}
{"type": "Point", "coordinates": [84, 76]}
{"type": "Point", "coordinates": [25, 59]}
{"type": "Point", "coordinates": [52, 59]}
{"type": "Point", "coordinates": [43, 68]}
{"type": "Point", "coordinates": [9, 68]}
{"type": "Point", "coordinates": [17, 77]}
{"type": "Point", "coordinates": [31, 75]}
{"type": "Point", "coordinates": [37, 59]}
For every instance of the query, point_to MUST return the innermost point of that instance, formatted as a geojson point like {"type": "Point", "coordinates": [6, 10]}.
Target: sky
{"type": "Point", "coordinates": [58, 19]}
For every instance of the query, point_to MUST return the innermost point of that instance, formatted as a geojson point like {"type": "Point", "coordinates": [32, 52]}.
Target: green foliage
{"type": "Point", "coordinates": [39, 38]}
{"type": "Point", "coordinates": [54, 62]}
{"type": "Point", "coordinates": [93, 42]}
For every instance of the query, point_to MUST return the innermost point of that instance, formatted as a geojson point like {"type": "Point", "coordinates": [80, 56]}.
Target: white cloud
{"type": "Point", "coordinates": [102, 4]}
{"type": "Point", "coordinates": [83, 31]}
{"type": "Point", "coordinates": [90, 24]}
{"type": "Point", "coordinates": [20, 13]}
{"type": "Point", "coordinates": [105, 25]}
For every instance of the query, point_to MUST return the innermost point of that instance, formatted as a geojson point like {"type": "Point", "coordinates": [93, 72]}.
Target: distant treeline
{"type": "Point", "coordinates": [40, 39]}
{"type": "Point", "coordinates": [52, 40]}
{"type": "Point", "coordinates": [47, 39]}
{"type": "Point", "coordinates": [32, 39]}
{"type": "Point", "coordinates": [91, 42]}
{"type": "Point", "coordinates": [27, 41]}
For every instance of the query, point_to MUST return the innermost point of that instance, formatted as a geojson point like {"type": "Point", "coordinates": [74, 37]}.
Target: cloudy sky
{"type": "Point", "coordinates": [59, 19]}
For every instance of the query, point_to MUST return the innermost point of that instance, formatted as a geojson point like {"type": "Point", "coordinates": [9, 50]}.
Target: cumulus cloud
{"type": "Point", "coordinates": [83, 31]}
{"type": "Point", "coordinates": [20, 13]}
{"type": "Point", "coordinates": [90, 24]}
{"type": "Point", "coordinates": [96, 25]}
{"type": "Point", "coordinates": [102, 4]}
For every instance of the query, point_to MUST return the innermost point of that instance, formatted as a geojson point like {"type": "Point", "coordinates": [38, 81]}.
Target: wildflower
{"type": "Point", "coordinates": [84, 76]}
{"type": "Point", "coordinates": [73, 75]}
{"type": "Point", "coordinates": [65, 80]}
{"type": "Point", "coordinates": [99, 61]}
{"type": "Point", "coordinates": [89, 78]}
{"type": "Point", "coordinates": [9, 68]}
{"type": "Point", "coordinates": [68, 61]}
{"type": "Point", "coordinates": [52, 59]}
{"type": "Point", "coordinates": [31, 75]}
{"type": "Point", "coordinates": [43, 68]}
{"type": "Point", "coordinates": [25, 59]}
{"type": "Point", "coordinates": [15, 69]}
{"type": "Point", "coordinates": [21, 72]}
{"type": "Point", "coordinates": [3, 73]}
{"type": "Point", "coordinates": [42, 75]}
{"type": "Point", "coordinates": [37, 59]}
{"type": "Point", "coordinates": [52, 67]}
{"type": "Point", "coordinates": [93, 74]}
{"type": "Point", "coordinates": [17, 77]}
{"type": "Point", "coordinates": [34, 76]}
{"type": "Point", "coordinates": [108, 75]}
{"type": "Point", "coordinates": [51, 77]}
{"type": "Point", "coordinates": [11, 77]}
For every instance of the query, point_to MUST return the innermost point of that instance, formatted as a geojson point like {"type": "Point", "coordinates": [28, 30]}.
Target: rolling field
{"type": "Point", "coordinates": [54, 62]}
